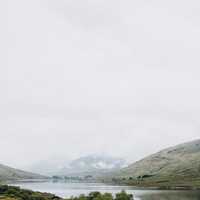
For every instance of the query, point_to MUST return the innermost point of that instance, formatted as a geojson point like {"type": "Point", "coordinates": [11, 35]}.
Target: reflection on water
{"type": "Point", "coordinates": [74, 189]}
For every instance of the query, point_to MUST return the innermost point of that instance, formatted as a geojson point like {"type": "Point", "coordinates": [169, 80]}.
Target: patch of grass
{"type": "Point", "coordinates": [7, 198]}
{"type": "Point", "coordinates": [16, 193]}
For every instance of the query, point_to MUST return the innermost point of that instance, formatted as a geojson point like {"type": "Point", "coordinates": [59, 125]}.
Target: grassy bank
{"type": "Point", "coordinates": [168, 182]}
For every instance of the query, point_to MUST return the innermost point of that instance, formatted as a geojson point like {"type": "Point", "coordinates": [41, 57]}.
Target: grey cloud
{"type": "Point", "coordinates": [118, 77]}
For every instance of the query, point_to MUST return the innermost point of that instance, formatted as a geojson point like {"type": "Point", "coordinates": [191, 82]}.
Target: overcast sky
{"type": "Point", "coordinates": [79, 77]}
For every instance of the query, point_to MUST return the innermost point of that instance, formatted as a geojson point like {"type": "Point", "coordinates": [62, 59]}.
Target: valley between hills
{"type": "Point", "coordinates": [171, 168]}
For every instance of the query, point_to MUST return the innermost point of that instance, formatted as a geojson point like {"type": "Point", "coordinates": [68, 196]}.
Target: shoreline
{"type": "Point", "coordinates": [133, 186]}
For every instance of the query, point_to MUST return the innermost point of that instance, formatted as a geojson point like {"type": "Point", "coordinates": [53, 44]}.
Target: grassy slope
{"type": "Point", "coordinates": [175, 166]}
{"type": "Point", "coordinates": [8, 173]}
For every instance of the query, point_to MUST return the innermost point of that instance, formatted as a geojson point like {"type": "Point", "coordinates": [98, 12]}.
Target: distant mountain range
{"type": "Point", "coordinates": [8, 173]}
{"type": "Point", "coordinates": [48, 167]}
{"type": "Point", "coordinates": [175, 166]}
{"type": "Point", "coordinates": [93, 165]}
{"type": "Point", "coordinates": [88, 165]}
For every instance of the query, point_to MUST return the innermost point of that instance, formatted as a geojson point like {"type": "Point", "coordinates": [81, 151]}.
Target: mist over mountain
{"type": "Point", "coordinates": [50, 166]}
{"type": "Point", "coordinates": [86, 165]}
{"type": "Point", "coordinates": [93, 165]}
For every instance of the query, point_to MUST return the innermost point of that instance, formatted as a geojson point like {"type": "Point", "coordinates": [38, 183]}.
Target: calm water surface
{"type": "Point", "coordinates": [74, 189]}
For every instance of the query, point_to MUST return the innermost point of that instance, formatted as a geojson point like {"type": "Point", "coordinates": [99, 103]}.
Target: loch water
{"type": "Point", "coordinates": [68, 189]}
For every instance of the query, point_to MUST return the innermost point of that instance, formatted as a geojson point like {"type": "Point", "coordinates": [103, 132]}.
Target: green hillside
{"type": "Point", "coordinates": [177, 166]}
{"type": "Point", "coordinates": [8, 173]}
